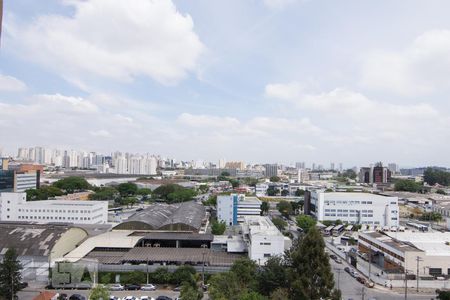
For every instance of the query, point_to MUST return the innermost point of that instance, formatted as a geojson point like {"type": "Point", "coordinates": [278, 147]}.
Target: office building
{"type": "Point", "coordinates": [14, 207]}
{"type": "Point", "coordinates": [238, 165]}
{"type": "Point", "coordinates": [263, 238]}
{"type": "Point", "coordinates": [354, 208]}
{"type": "Point", "coordinates": [232, 209]}
{"type": "Point", "coordinates": [271, 170]}
{"type": "Point", "coordinates": [375, 174]}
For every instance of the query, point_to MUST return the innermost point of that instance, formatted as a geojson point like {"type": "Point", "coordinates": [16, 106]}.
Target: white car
{"type": "Point", "coordinates": [116, 287]}
{"type": "Point", "coordinates": [148, 287]}
{"type": "Point", "coordinates": [130, 298]}
{"type": "Point", "coordinates": [147, 298]}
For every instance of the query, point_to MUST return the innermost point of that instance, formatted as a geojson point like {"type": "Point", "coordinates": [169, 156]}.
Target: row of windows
{"type": "Point", "coordinates": [328, 202]}
{"type": "Point", "coordinates": [54, 211]}
{"type": "Point", "coordinates": [51, 218]}
{"type": "Point", "coordinates": [348, 210]}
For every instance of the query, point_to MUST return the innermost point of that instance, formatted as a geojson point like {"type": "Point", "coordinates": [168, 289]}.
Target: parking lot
{"type": "Point", "coordinates": [30, 294]}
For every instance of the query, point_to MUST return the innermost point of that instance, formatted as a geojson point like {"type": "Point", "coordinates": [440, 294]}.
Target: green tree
{"type": "Point", "coordinates": [272, 191]}
{"type": "Point", "coordinates": [245, 270]}
{"type": "Point", "coordinates": [72, 184]}
{"type": "Point", "coordinates": [265, 207]}
{"type": "Point", "coordinates": [234, 183]}
{"type": "Point", "coordinates": [252, 295]}
{"type": "Point", "coordinates": [181, 195]}
{"type": "Point", "coordinates": [279, 223]}
{"type": "Point", "coordinates": [189, 292]}
{"type": "Point", "coordinates": [250, 181]}
{"type": "Point", "coordinates": [10, 275]}
{"type": "Point", "coordinates": [135, 277]}
{"type": "Point", "coordinates": [212, 201]}
{"type": "Point", "coordinates": [203, 188]}
{"type": "Point", "coordinates": [272, 276]}
{"type": "Point", "coordinates": [144, 192]}
{"type": "Point", "coordinates": [224, 286]}
{"type": "Point", "coordinates": [184, 273]}
{"type": "Point", "coordinates": [127, 189]}
{"type": "Point", "coordinates": [163, 191]}
{"type": "Point", "coordinates": [442, 192]}
{"type": "Point", "coordinates": [285, 208]}
{"type": "Point", "coordinates": [218, 228]}
{"type": "Point", "coordinates": [349, 173]}
{"type": "Point", "coordinates": [99, 293]}
{"type": "Point", "coordinates": [274, 179]}
{"type": "Point", "coordinates": [310, 274]}
{"type": "Point", "coordinates": [104, 193]}
{"type": "Point", "coordinates": [431, 216]}
{"type": "Point", "coordinates": [105, 278]}
{"type": "Point", "coordinates": [434, 175]}
{"type": "Point", "coordinates": [162, 275]}
{"type": "Point", "coordinates": [43, 193]}
{"type": "Point", "coordinates": [407, 185]}
{"type": "Point", "coordinates": [280, 294]}
{"type": "Point", "coordinates": [299, 193]}
{"type": "Point", "coordinates": [306, 222]}
{"type": "Point", "coordinates": [284, 193]}
{"type": "Point", "coordinates": [443, 295]}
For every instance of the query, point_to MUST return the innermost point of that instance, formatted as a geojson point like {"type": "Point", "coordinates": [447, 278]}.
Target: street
{"type": "Point", "coordinates": [352, 289]}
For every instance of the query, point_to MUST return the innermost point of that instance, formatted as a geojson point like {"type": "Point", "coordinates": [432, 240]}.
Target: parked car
{"type": "Point", "coordinates": [333, 256]}
{"type": "Point", "coordinates": [23, 285]}
{"type": "Point", "coordinates": [163, 298]}
{"type": "Point", "coordinates": [77, 297]}
{"type": "Point", "coordinates": [132, 287]}
{"type": "Point", "coordinates": [361, 279]}
{"type": "Point", "coordinates": [114, 298]}
{"type": "Point", "coordinates": [148, 287]}
{"type": "Point", "coordinates": [83, 286]}
{"type": "Point", "coordinates": [370, 284]}
{"type": "Point", "coordinates": [177, 288]}
{"type": "Point", "coordinates": [347, 269]}
{"type": "Point", "coordinates": [354, 274]}
{"type": "Point", "coordinates": [116, 287]}
{"type": "Point", "coordinates": [146, 298]}
{"type": "Point", "coordinates": [130, 298]}
{"type": "Point", "coordinates": [338, 260]}
{"type": "Point", "coordinates": [63, 296]}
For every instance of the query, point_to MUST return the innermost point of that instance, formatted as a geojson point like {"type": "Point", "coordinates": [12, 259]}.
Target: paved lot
{"type": "Point", "coordinates": [352, 289]}
{"type": "Point", "coordinates": [29, 295]}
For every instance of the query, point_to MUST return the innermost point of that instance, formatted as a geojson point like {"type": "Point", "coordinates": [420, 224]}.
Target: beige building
{"type": "Point", "coordinates": [397, 251]}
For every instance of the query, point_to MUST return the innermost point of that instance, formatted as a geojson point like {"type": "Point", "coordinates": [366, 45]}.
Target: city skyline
{"type": "Point", "coordinates": [285, 80]}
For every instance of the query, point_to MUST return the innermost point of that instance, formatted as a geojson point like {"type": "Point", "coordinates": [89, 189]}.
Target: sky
{"type": "Point", "coordinates": [320, 81]}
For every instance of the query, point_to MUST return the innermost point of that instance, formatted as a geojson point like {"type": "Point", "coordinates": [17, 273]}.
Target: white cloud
{"type": "Point", "coordinates": [278, 4]}
{"type": "Point", "coordinates": [420, 68]}
{"type": "Point", "coordinates": [100, 133]}
{"type": "Point", "coordinates": [207, 121]}
{"type": "Point", "coordinates": [114, 39]}
{"type": "Point", "coordinates": [11, 84]}
{"type": "Point", "coordinates": [283, 90]}
{"type": "Point", "coordinates": [351, 118]}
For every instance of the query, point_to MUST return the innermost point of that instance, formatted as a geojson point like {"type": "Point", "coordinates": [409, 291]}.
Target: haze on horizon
{"type": "Point", "coordinates": [261, 81]}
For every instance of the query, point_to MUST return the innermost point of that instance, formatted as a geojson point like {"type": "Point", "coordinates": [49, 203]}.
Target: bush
{"type": "Point", "coordinates": [135, 277]}
{"type": "Point", "coordinates": [161, 275]}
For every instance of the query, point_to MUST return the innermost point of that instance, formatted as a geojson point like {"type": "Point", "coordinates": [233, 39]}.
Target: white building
{"type": "Point", "coordinates": [263, 239]}
{"type": "Point", "coordinates": [232, 209]}
{"type": "Point", "coordinates": [261, 189]}
{"type": "Point", "coordinates": [14, 207]}
{"type": "Point", "coordinates": [355, 208]}
{"type": "Point", "coordinates": [25, 181]}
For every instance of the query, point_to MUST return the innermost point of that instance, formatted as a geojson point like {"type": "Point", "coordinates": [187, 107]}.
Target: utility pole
{"type": "Point", "coordinates": [339, 276]}
{"type": "Point", "coordinates": [406, 283]}
{"type": "Point", "coordinates": [417, 275]}
{"type": "Point", "coordinates": [203, 267]}
{"type": "Point", "coordinates": [370, 259]}
{"type": "Point", "coordinates": [147, 270]}
{"type": "Point", "coordinates": [363, 293]}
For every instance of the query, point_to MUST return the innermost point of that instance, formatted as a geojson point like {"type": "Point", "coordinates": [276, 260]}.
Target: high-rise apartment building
{"type": "Point", "coordinates": [271, 170]}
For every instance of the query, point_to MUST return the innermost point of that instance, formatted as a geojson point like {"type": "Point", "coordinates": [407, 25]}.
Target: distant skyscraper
{"type": "Point", "coordinates": [332, 166]}
{"type": "Point", "coordinates": [313, 166]}
{"type": "Point", "coordinates": [300, 165]}
{"type": "Point", "coordinates": [340, 167]}
{"type": "Point", "coordinates": [271, 170]}
{"type": "Point", "coordinates": [222, 162]}
{"type": "Point", "coordinates": [393, 167]}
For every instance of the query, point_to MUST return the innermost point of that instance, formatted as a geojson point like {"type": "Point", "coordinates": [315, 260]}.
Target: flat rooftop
{"type": "Point", "coordinates": [80, 203]}
{"type": "Point", "coordinates": [432, 243]}
{"type": "Point", "coordinates": [396, 244]}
